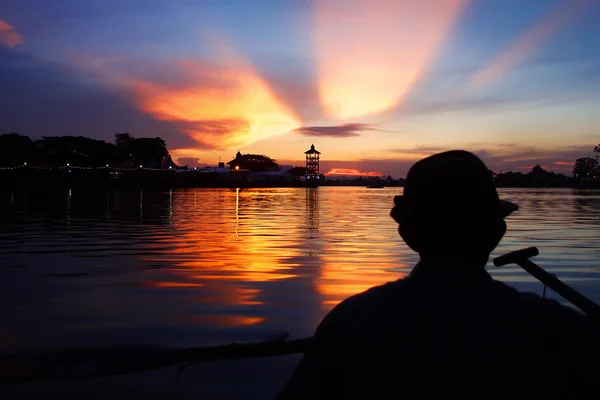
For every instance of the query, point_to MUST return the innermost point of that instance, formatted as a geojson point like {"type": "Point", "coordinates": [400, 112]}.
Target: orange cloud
{"type": "Point", "coordinates": [8, 35]}
{"type": "Point", "coordinates": [525, 44]}
{"type": "Point", "coordinates": [222, 108]}
{"type": "Point", "coordinates": [351, 172]}
{"type": "Point", "coordinates": [563, 163]}
{"type": "Point", "coordinates": [370, 53]}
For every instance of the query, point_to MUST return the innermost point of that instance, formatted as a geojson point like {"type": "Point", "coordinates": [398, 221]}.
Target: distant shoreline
{"type": "Point", "coordinates": [64, 178]}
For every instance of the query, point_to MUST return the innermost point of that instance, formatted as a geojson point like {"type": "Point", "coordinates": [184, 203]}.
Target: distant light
{"type": "Point", "coordinates": [68, 164]}
{"type": "Point", "coordinates": [140, 166]}
{"type": "Point", "coordinates": [237, 167]}
{"type": "Point", "coordinates": [106, 165]}
{"type": "Point", "coordinates": [25, 164]}
{"type": "Point", "coordinates": [170, 167]}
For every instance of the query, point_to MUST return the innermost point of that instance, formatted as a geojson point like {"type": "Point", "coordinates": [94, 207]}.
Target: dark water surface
{"type": "Point", "coordinates": [210, 266]}
{"type": "Point", "coordinates": [204, 266]}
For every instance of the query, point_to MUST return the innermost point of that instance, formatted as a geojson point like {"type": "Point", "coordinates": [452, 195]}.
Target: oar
{"type": "Point", "coordinates": [521, 258]}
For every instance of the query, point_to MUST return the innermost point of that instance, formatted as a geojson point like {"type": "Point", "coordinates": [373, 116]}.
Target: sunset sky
{"type": "Point", "coordinates": [374, 84]}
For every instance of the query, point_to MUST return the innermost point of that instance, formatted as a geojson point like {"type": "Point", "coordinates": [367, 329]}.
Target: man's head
{"type": "Point", "coordinates": [450, 208]}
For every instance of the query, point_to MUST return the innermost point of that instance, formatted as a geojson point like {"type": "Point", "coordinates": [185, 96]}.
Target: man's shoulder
{"type": "Point", "coordinates": [501, 299]}
{"type": "Point", "coordinates": [377, 294]}
{"type": "Point", "coordinates": [366, 303]}
{"type": "Point", "coordinates": [528, 304]}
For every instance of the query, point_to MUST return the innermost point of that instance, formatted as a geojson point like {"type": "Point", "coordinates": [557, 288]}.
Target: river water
{"type": "Point", "coordinates": [192, 267]}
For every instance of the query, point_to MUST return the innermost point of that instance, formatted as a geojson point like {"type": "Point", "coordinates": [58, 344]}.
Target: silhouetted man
{"type": "Point", "coordinates": [449, 330]}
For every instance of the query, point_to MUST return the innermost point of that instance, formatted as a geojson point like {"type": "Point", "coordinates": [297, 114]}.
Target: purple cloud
{"type": "Point", "coordinates": [345, 130]}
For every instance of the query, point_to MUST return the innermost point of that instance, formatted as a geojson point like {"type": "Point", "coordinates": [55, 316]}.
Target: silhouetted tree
{"type": "Point", "coordinates": [254, 162]}
{"type": "Point", "coordinates": [76, 150]}
{"type": "Point", "coordinates": [16, 149]}
{"type": "Point", "coordinates": [149, 150]}
{"type": "Point", "coordinates": [586, 168]}
{"type": "Point", "coordinates": [141, 151]}
{"type": "Point", "coordinates": [540, 175]}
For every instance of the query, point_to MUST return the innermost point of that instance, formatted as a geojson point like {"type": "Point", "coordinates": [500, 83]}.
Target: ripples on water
{"type": "Point", "coordinates": [208, 266]}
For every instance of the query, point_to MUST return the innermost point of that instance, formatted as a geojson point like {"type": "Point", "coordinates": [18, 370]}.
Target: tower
{"type": "Point", "coordinates": [312, 161]}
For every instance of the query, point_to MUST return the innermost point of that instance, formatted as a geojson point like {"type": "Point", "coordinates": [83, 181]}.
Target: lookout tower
{"type": "Point", "coordinates": [312, 160]}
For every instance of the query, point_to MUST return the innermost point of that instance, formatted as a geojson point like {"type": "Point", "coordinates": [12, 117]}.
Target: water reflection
{"type": "Point", "coordinates": [361, 247]}
{"type": "Point", "coordinates": [204, 266]}
{"type": "Point", "coordinates": [230, 253]}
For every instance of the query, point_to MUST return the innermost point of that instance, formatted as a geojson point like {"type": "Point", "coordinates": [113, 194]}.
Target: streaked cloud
{"type": "Point", "coordinates": [371, 53]}
{"type": "Point", "coordinates": [525, 45]}
{"type": "Point", "coordinates": [221, 107]}
{"type": "Point", "coordinates": [44, 98]}
{"type": "Point", "coordinates": [526, 157]}
{"type": "Point", "coordinates": [9, 36]}
{"type": "Point", "coordinates": [351, 172]}
{"type": "Point", "coordinates": [345, 130]}
{"type": "Point", "coordinates": [564, 163]}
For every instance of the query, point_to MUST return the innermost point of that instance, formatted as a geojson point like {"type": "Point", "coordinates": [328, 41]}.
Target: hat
{"type": "Point", "coordinates": [454, 185]}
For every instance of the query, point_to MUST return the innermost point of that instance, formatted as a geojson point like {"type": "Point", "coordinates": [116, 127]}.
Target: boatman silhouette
{"type": "Point", "coordinates": [448, 330]}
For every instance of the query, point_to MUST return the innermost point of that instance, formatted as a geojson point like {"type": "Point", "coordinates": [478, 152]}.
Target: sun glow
{"type": "Point", "coordinates": [222, 108]}
{"type": "Point", "coordinates": [370, 53]}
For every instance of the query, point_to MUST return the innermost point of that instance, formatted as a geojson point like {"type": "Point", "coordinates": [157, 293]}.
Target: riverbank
{"type": "Point", "coordinates": [70, 178]}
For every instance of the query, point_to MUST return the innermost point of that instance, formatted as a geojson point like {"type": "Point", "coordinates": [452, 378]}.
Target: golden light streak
{"type": "Point", "coordinates": [351, 172]}
{"type": "Point", "coordinates": [564, 163]}
{"type": "Point", "coordinates": [237, 110]}
{"type": "Point", "coordinates": [9, 36]}
{"type": "Point", "coordinates": [223, 257]}
{"type": "Point", "coordinates": [526, 44]}
{"type": "Point", "coordinates": [224, 320]}
{"type": "Point", "coordinates": [370, 53]}
{"type": "Point", "coordinates": [338, 282]}
{"type": "Point", "coordinates": [345, 274]}
{"type": "Point", "coordinates": [168, 284]}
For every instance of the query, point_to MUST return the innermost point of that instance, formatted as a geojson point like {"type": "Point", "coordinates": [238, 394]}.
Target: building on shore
{"type": "Point", "coordinates": [313, 159]}
{"type": "Point", "coordinates": [220, 169]}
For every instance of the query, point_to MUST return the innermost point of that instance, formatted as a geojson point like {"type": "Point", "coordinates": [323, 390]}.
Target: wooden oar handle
{"type": "Point", "coordinates": [521, 258]}
{"type": "Point", "coordinates": [515, 256]}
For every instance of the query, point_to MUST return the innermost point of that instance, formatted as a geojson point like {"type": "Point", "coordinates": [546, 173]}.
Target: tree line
{"type": "Point", "coordinates": [126, 152]}
{"type": "Point", "coordinates": [56, 151]}
{"type": "Point", "coordinates": [130, 152]}
{"type": "Point", "coordinates": [588, 168]}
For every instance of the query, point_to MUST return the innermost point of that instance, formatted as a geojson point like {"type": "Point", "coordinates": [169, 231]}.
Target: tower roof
{"type": "Point", "coordinates": [312, 150]}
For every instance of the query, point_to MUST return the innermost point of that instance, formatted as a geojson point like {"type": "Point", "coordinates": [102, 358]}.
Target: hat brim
{"type": "Point", "coordinates": [505, 208]}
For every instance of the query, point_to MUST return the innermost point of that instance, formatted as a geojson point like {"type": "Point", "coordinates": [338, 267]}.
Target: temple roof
{"type": "Point", "coordinates": [312, 150]}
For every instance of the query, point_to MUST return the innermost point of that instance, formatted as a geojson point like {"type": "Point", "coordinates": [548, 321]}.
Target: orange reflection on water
{"type": "Point", "coordinates": [223, 320]}
{"type": "Point", "coordinates": [339, 281]}
{"type": "Point", "coordinates": [225, 244]}
{"type": "Point", "coordinates": [170, 284]}
{"type": "Point", "coordinates": [227, 293]}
